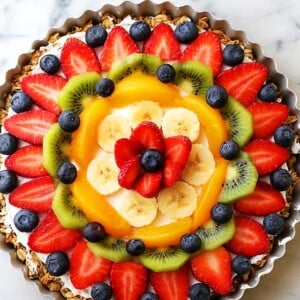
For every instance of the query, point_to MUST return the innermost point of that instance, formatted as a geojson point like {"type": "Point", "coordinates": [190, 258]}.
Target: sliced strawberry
{"type": "Point", "coordinates": [266, 155]}
{"type": "Point", "coordinates": [118, 45]}
{"type": "Point", "coordinates": [213, 268]}
{"type": "Point", "coordinates": [264, 200]}
{"type": "Point", "coordinates": [207, 49]}
{"type": "Point", "coordinates": [267, 117]}
{"type": "Point", "coordinates": [148, 185]}
{"type": "Point", "coordinates": [163, 43]}
{"type": "Point", "coordinates": [128, 280]}
{"type": "Point", "coordinates": [172, 171]}
{"type": "Point", "coordinates": [129, 172]}
{"type": "Point", "coordinates": [44, 90]}
{"type": "Point", "coordinates": [36, 194]}
{"type": "Point", "coordinates": [78, 58]}
{"type": "Point", "coordinates": [86, 268]}
{"type": "Point", "coordinates": [249, 238]}
{"type": "Point", "coordinates": [171, 284]}
{"type": "Point", "coordinates": [30, 126]}
{"type": "Point", "coordinates": [50, 236]}
{"type": "Point", "coordinates": [27, 162]}
{"type": "Point", "coordinates": [243, 81]}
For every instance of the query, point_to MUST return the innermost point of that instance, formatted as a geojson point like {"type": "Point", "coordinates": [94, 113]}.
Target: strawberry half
{"type": "Point", "coordinates": [213, 268]}
{"type": "Point", "coordinates": [30, 126]}
{"type": "Point", "coordinates": [172, 172]}
{"type": "Point", "coordinates": [43, 89]}
{"type": "Point", "coordinates": [118, 45]}
{"type": "Point", "coordinates": [36, 194]}
{"type": "Point", "coordinates": [86, 268]}
{"type": "Point", "coordinates": [249, 238]}
{"type": "Point", "coordinates": [207, 49]}
{"type": "Point", "coordinates": [129, 172]}
{"type": "Point", "coordinates": [128, 280]}
{"type": "Point", "coordinates": [163, 43]}
{"type": "Point", "coordinates": [243, 81]}
{"type": "Point", "coordinates": [148, 185]}
{"type": "Point", "coordinates": [78, 58]}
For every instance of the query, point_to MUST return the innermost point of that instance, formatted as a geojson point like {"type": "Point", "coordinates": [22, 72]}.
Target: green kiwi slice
{"type": "Point", "coordinates": [240, 121]}
{"type": "Point", "coordinates": [193, 77]}
{"type": "Point", "coordinates": [78, 92]}
{"type": "Point", "coordinates": [241, 178]}
{"type": "Point", "coordinates": [163, 259]}
{"type": "Point", "coordinates": [56, 148]}
{"type": "Point", "coordinates": [65, 210]}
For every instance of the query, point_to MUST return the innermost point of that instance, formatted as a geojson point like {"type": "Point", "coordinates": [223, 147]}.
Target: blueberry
{"type": "Point", "coordinates": [50, 63]}
{"type": "Point", "coordinates": [8, 181]}
{"type": "Point", "coordinates": [216, 96]}
{"type": "Point", "coordinates": [26, 220]}
{"type": "Point", "coordinates": [57, 263]}
{"type": "Point", "coordinates": [69, 120]}
{"type": "Point", "coordinates": [186, 32]}
{"type": "Point", "coordinates": [95, 36]}
{"type": "Point", "coordinates": [233, 55]}
{"type": "Point", "coordinates": [140, 31]}
{"type": "Point", "coordinates": [268, 92]}
{"type": "Point", "coordinates": [190, 242]}
{"type": "Point", "coordinates": [274, 224]}
{"type": "Point", "coordinates": [166, 73]}
{"type": "Point", "coordinates": [241, 265]}
{"type": "Point", "coordinates": [8, 144]}
{"type": "Point", "coordinates": [199, 291]}
{"type": "Point", "coordinates": [151, 160]}
{"type": "Point", "coordinates": [281, 179]}
{"type": "Point", "coordinates": [135, 247]}
{"type": "Point", "coordinates": [105, 87]}
{"type": "Point", "coordinates": [221, 213]}
{"type": "Point", "coordinates": [67, 173]}
{"type": "Point", "coordinates": [149, 296]}
{"type": "Point", "coordinates": [284, 136]}
{"type": "Point", "coordinates": [101, 291]}
{"type": "Point", "coordinates": [229, 150]}
{"type": "Point", "coordinates": [20, 102]}
{"type": "Point", "coordinates": [94, 232]}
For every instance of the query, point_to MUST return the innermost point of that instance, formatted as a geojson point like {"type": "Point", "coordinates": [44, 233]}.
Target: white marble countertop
{"type": "Point", "coordinates": [275, 25]}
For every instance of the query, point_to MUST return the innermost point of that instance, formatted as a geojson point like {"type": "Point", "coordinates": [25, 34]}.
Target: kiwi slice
{"type": "Point", "coordinates": [56, 148]}
{"type": "Point", "coordinates": [145, 63]}
{"type": "Point", "coordinates": [193, 77]}
{"type": "Point", "coordinates": [65, 209]}
{"type": "Point", "coordinates": [163, 259]}
{"type": "Point", "coordinates": [78, 92]}
{"type": "Point", "coordinates": [241, 178]}
{"type": "Point", "coordinates": [240, 121]}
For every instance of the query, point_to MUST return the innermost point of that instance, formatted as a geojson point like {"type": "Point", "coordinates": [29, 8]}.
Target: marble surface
{"type": "Point", "coordinates": [275, 25]}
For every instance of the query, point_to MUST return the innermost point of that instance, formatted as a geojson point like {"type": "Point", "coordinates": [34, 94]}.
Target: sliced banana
{"type": "Point", "coordinates": [102, 174]}
{"type": "Point", "coordinates": [177, 201]}
{"type": "Point", "coordinates": [200, 166]}
{"type": "Point", "coordinates": [112, 128]}
{"type": "Point", "coordinates": [136, 209]}
{"type": "Point", "coordinates": [181, 121]}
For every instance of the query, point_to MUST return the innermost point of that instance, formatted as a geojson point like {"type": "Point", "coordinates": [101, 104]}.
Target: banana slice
{"type": "Point", "coordinates": [145, 111]}
{"type": "Point", "coordinates": [112, 128]}
{"type": "Point", "coordinates": [200, 166]}
{"type": "Point", "coordinates": [181, 121]}
{"type": "Point", "coordinates": [177, 201]}
{"type": "Point", "coordinates": [102, 174]}
{"type": "Point", "coordinates": [136, 209]}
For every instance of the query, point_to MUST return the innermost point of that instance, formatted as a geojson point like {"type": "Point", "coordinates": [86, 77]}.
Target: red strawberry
{"type": "Point", "coordinates": [36, 194]}
{"type": "Point", "coordinates": [129, 172]}
{"type": "Point", "coordinates": [266, 155]}
{"type": "Point", "coordinates": [148, 185]}
{"type": "Point", "coordinates": [86, 268]}
{"type": "Point", "coordinates": [44, 90]}
{"type": "Point", "coordinates": [171, 284]}
{"type": "Point", "coordinates": [267, 117]}
{"type": "Point", "coordinates": [207, 49]}
{"type": "Point", "coordinates": [30, 126]}
{"type": "Point", "coordinates": [27, 162]}
{"type": "Point", "coordinates": [50, 236]}
{"type": "Point", "coordinates": [163, 43]}
{"type": "Point", "coordinates": [78, 58]}
{"type": "Point", "coordinates": [249, 238]}
{"type": "Point", "coordinates": [128, 280]}
{"type": "Point", "coordinates": [172, 171]}
{"type": "Point", "coordinates": [118, 45]}
{"type": "Point", "coordinates": [213, 268]}
{"type": "Point", "coordinates": [243, 81]}
{"type": "Point", "coordinates": [264, 200]}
